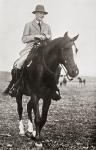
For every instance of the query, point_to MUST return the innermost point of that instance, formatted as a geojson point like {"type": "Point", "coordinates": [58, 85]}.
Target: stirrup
{"type": "Point", "coordinates": [13, 92]}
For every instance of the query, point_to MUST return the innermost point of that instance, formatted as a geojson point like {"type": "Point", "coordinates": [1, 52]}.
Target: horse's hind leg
{"type": "Point", "coordinates": [35, 105]}
{"type": "Point", "coordinates": [20, 110]}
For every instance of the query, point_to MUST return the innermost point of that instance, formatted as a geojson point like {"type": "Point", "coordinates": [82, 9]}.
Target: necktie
{"type": "Point", "coordinates": [39, 26]}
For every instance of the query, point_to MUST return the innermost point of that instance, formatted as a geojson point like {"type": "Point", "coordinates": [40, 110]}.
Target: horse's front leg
{"type": "Point", "coordinates": [40, 123]}
{"type": "Point", "coordinates": [35, 101]}
{"type": "Point", "coordinates": [20, 110]}
{"type": "Point", "coordinates": [30, 132]}
{"type": "Point", "coordinates": [45, 108]}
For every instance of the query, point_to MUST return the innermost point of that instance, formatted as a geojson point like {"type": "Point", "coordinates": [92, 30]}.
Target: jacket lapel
{"type": "Point", "coordinates": [34, 23]}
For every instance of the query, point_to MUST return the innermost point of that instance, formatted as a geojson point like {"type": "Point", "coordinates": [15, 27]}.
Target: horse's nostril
{"type": "Point", "coordinates": [73, 72]}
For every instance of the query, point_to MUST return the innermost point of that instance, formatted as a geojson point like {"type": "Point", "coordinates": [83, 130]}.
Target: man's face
{"type": "Point", "coordinates": [39, 16]}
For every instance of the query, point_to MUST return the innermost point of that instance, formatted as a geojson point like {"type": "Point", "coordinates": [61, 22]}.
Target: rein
{"type": "Point", "coordinates": [45, 65]}
{"type": "Point", "coordinates": [66, 73]}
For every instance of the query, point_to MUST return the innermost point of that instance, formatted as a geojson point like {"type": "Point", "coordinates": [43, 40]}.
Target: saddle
{"type": "Point", "coordinates": [38, 44]}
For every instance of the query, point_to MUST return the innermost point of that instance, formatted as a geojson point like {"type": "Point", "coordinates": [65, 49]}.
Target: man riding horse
{"type": "Point", "coordinates": [34, 32]}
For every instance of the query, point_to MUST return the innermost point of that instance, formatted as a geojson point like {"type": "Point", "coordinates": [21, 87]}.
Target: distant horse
{"type": "Point", "coordinates": [84, 81]}
{"type": "Point", "coordinates": [38, 80]}
{"type": "Point", "coordinates": [81, 80]}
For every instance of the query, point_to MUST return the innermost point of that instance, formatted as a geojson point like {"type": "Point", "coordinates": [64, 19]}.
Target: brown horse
{"type": "Point", "coordinates": [38, 80]}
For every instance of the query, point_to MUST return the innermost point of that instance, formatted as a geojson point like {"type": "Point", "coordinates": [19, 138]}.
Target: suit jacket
{"type": "Point", "coordinates": [30, 31]}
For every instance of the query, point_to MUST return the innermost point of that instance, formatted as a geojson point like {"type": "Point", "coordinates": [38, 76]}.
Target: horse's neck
{"type": "Point", "coordinates": [51, 54]}
{"type": "Point", "coordinates": [47, 54]}
{"type": "Point", "coordinates": [51, 60]}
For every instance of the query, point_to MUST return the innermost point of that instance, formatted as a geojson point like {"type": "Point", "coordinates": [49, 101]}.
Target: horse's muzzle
{"type": "Point", "coordinates": [74, 72]}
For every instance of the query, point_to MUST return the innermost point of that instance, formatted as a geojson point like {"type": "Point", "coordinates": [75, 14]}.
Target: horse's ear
{"type": "Point", "coordinates": [75, 38]}
{"type": "Point", "coordinates": [66, 34]}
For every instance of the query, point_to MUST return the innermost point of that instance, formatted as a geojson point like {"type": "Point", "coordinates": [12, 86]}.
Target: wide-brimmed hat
{"type": "Point", "coordinates": [40, 8]}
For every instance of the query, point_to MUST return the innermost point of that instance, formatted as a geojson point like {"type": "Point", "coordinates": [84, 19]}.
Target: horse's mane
{"type": "Point", "coordinates": [51, 45]}
{"type": "Point", "coordinates": [56, 43]}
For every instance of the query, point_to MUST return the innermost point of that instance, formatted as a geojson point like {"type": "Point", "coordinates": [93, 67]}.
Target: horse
{"type": "Point", "coordinates": [38, 81]}
{"type": "Point", "coordinates": [84, 81]}
{"type": "Point", "coordinates": [81, 80]}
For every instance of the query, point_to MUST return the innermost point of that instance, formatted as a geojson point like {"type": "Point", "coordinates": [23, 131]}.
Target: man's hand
{"type": "Point", "coordinates": [42, 37]}
{"type": "Point", "coordinates": [47, 36]}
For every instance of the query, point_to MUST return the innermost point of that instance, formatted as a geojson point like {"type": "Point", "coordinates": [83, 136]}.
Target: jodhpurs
{"type": "Point", "coordinates": [19, 62]}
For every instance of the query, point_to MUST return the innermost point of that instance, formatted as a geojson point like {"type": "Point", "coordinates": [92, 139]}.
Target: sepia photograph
{"type": "Point", "coordinates": [47, 75]}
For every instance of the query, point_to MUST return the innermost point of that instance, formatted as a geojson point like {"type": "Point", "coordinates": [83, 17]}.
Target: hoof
{"type": "Point", "coordinates": [22, 134]}
{"type": "Point", "coordinates": [30, 135]}
{"type": "Point", "coordinates": [39, 144]}
{"type": "Point", "coordinates": [34, 133]}
{"type": "Point", "coordinates": [9, 146]}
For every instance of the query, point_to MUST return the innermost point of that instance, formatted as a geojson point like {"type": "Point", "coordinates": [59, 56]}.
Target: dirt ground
{"type": "Point", "coordinates": [71, 122]}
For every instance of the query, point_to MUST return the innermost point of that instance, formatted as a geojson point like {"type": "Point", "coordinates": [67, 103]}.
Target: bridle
{"type": "Point", "coordinates": [62, 66]}
{"type": "Point", "coordinates": [66, 73]}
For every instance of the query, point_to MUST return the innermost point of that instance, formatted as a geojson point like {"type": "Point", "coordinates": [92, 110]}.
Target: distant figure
{"type": "Point", "coordinates": [62, 80]}
{"type": "Point", "coordinates": [81, 80]}
{"type": "Point", "coordinates": [84, 81]}
{"type": "Point", "coordinates": [65, 81]}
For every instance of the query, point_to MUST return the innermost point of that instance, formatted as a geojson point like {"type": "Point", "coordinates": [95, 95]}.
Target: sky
{"type": "Point", "coordinates": [74, 16]}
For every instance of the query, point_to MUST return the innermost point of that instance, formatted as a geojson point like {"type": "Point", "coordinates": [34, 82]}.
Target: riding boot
{"type": "Point", "coordinates": [6, 92]}
{"type": "Point", "coordinates": [14, 90]}
{"type": "Point", "coordinates": [55, 95]}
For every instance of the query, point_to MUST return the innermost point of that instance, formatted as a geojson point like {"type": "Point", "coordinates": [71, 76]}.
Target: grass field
{"type": "Point", "coordinates": [71, 123]}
